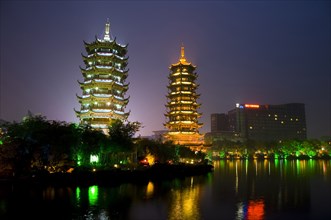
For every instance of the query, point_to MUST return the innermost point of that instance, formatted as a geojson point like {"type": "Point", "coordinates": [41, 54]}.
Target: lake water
{"type": "Point", "coordinates": [236, 189]}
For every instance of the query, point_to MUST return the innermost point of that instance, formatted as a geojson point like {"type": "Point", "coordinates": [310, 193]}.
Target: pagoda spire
{"type": "Point", "coordinates": [182, 54]}
{"type": "Point", "coordinates": [107, 31]}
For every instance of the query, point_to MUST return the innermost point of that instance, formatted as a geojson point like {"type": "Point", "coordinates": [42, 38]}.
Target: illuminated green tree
{"type": "Point", "coordinates": [40, 143]}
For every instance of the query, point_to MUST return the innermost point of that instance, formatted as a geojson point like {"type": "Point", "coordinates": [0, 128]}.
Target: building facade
{"type": "Point", "coordinates": [264, 123]}
{"type": "Point", "coordinates": [182, 107]}
{"type": "Point", "coordinates": [104, 88]}
{"type": "Point", "coordinates": [219, 122]}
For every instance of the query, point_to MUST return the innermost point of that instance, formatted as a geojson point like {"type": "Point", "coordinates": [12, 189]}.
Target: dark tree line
{"type": "Point", "coordinates": [40, 145]}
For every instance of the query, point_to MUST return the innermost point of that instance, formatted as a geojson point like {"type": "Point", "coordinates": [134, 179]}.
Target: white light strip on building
{"type": "Point", "coordinates": [105, 54]}
{"type": "Point", "coordinates": [103, 80]}
{"type": "Point", "coordinates": [99, 126]}
{"type": "Point", "coordinates": [118, 97]}
{"type": "Point", "coordinates": [187, 112]}
{"type": "Point", "coordinates": [101, 110]}
{"type": "Point", "coordinates": [118, 83]}
{"type": "Point", "coordinates": [119, 112]}
{"type": "Point", "coordinates": [103, 67]}
{"type": "Point", "coordinates": [102, 95]}
{"type": "Point", "coordinates": [122, 58]}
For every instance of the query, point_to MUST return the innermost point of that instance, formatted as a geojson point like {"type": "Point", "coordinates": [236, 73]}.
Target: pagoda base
{"type": "Point", "coordinates": [193, 141]}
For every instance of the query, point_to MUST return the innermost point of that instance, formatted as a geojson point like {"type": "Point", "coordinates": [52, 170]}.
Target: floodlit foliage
{"type": "Point", "coordinates": [38, 144]}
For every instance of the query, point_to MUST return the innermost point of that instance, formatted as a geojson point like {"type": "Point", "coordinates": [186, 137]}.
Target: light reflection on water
{"type": "Point", "coordinates": [236, 189]}
{"type": "Point", "coordinates": [252, 210]}
{"type": "Point", "coordinates": [185, 202]}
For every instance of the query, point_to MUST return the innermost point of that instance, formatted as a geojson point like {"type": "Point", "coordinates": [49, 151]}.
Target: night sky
{"type": "Point", "coordinates": [259, 52]}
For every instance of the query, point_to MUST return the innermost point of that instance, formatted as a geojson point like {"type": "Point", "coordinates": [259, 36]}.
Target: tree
{"type": "Point", "coordinates": [121, 135]}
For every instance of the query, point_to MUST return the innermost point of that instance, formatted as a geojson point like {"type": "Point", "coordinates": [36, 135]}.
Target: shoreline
{"type": "Point", "coordinates": [159, 172]}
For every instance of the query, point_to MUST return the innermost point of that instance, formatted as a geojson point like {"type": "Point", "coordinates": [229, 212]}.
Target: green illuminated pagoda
{"type": "Point", "coordinates": [104, 88]}
{"type": "Point", "coordinates": [182, 115]}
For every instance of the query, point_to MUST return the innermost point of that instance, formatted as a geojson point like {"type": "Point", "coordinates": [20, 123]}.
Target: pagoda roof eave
{"type": "Point", "coordinates": [81, 83]}
{"type": "Point", "coordinates": [86, 43]}
{"type": "Point", "coordinates": [96, 55]}
{"type": "Point", "coordinates": [183, 64]}
{"type": "Point", "coordinates": [84, 57]}
{"type": "Point", "coordinates": [76, 111]}
{"type": "Point", "coordinates": [112, 70]}
{"type": "Point", "coordinates": [126, 114]}
{"type": "Point", "coordinates": [111, 41]}
{"type": "Point", "coordinates": [98, 41]}
{"type": "Point", "coordinates": [79, 97]}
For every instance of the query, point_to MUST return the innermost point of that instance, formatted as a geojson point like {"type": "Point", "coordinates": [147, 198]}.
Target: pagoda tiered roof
{"type": "Point", "coordinates": [111, 98]}
{"type": "Point", "coordinates": [104, 87]}
{"type": "Point", "coordinates": [99, 56]}
{"type": "Point", "coordinates": [104, 84]}
{"type": "Point", "coordinates": [106, 70]}
{"type": "Point", "coordinates": [182, 106]}
{"type": "Point", "coordinates": [183, 103]}
{"type": "Point", "coordinates": [180, 94]}
{"type": "Point", "coordinates": [99, 43]}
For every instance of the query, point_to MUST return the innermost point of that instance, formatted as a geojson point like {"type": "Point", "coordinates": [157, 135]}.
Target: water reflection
{"type": "Point", "coordinates": [237, 189]}
{"type": "Point", "coordinates": [184, 203]}
{"type": "Point", "coordinates": [93, 195]}
{"type": "Point", "coordinates": [251, 210]}
{"type": "Point", "coordinates": [149, 190]}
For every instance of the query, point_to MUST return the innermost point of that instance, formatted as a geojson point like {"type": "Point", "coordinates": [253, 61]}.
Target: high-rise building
{"type": "Point", "coordinates": [219, 122]}
{"type": "Point", "coordinates": [269, 122]}
{"type": "Point", "coordinates": [103, 89]}
{"type": "Point", "coordinates": [182, 115]}
{"type": "Point", "coordinates": [258, 123]}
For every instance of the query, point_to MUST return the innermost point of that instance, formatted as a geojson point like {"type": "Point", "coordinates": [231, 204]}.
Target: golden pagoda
{"type": "Point", "coordinates": [182, 115]}
{"type": "Point", "coordinates": [103, 90]}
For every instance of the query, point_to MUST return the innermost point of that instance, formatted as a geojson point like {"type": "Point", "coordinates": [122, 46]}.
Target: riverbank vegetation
{"type": "Point", "coordinates": [288, 149]}
{"type": "Point", "coordinates": [38, 145]}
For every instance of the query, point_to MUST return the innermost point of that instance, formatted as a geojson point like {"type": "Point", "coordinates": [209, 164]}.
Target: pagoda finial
{"type": "Point", "coordinates": [107, 31]}
{"type": "Point", "coordinates": [182, 54]}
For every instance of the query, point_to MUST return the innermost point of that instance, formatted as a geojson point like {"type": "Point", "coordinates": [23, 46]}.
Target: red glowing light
{"type": "Point", "coordinates": [255, 210]}
{"type": "Point", "coordinates": [252, 106]}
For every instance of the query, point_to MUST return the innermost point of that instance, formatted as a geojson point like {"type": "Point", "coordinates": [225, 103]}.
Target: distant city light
{"type": "Point", "coordinates": [252, 106]}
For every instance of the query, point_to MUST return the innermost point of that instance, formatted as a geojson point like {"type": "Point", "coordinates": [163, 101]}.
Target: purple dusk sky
{"type": "Point", "coordinates": [260, 52]}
